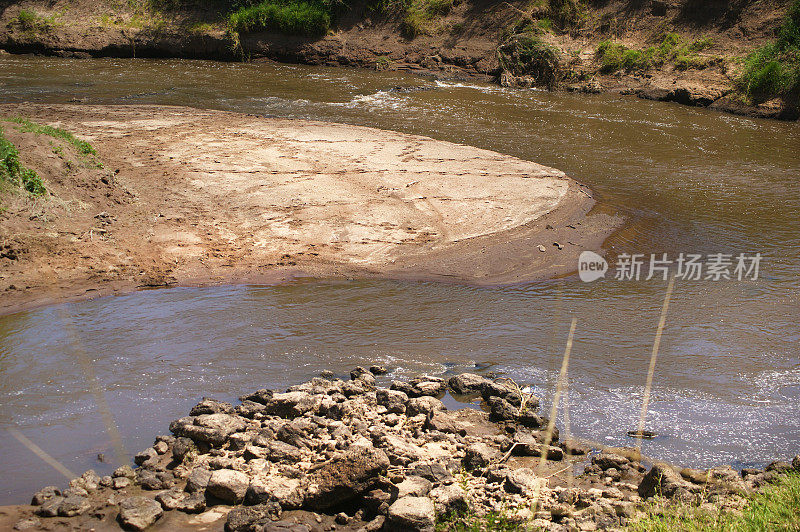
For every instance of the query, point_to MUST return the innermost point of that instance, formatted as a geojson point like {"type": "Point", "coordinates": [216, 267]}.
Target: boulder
{"type": "Point", "coordinates": [146, 458]}
{"type": "Point", "coordinates": [300, 433]}
{"type": "Point", "coordinates": [210, 428]}
{"type": "Point", "coordinates": [394, 400]}
{"type": "Point", "coordinates": [286, 491]}
{"type": "Point", "coordinates": [479, 455]}
{"type": "Point", "coordinates": [780, 467]}
{"type": "Point", "coordinates": [467, 383]}
{"type": "Point", "coordinates": [796, 462]}
{"type": "Point", "coordinates": [124, 471]}
{"type": "Point", "coordinates": [197, 481]}
{"type": "Point", "coordinates": [412, 486]}
{"type": "Point", "coordinates": [228, 485]}
{"type": "Point", "coordinates": [45, 494]}
{"type": "Point", "coordinates": [378, 370]}
{"type": "Point", "coordinates": [411, 514]}
{"type": "Point", "coordinates": [346, 476]}
{"type": "Point", "coordinates": [663, 480]}
{"type": "Point", "coordinates": [138, 513]}
{"type": "Point", "coordinates": [606, 460]}
{"type": "Point", "coordinates": [445, 422]}
{"type": "Point", "coordinates": [242, 519]}
{"type": "Point", "coordinates": [427, 386]}
{"type": "Point", "coordinates": [259, 396]}
{"type": "Point", "coordinates": [211, 406]}
{"type": "Point", "coordinates": [524, 481]}
{"type": "Point", "coordinates": [73, 505]}
{"type": "Point", "coordinates": [292, 404]}
{"type": "Point", "coordinates": [433, 471]}
{"type": "Point", "coordinates": [424, 405]}
{"type": "Point", "coordinates": [89, 481]}
{"type": "Point", "coordinates": [449, 499]}
{"type": "Point", "coordinates": [49, 508]}
{"type": "Point", "coordinates": [501, 410]}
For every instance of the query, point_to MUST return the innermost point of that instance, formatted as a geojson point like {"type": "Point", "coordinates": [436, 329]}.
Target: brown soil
{"type": "Point", "coordinates": [189, 197]}
{"type": "Point", "coordinates": [461, 44]}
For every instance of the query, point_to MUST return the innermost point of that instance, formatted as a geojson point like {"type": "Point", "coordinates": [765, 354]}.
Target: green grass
{"type": "Point", "coordinates": [421, 16]}
{"type": "Point", "coordinates": [673, 48]}
{"type": "Point", "coordinates": [292, 17]}
{"type": "Point", "coordinates": [13, 172]}
{"type": "Point", "coordinates": [774, 69]}
{"type": "Point", "coordinates": [776, 508]}
{"type": "Point", "coordinates": [83, 147]}
{"type": "Point", "coordinates": [493, 521]}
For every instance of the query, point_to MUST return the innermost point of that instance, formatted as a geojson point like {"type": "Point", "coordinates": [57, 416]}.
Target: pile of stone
{"type": "Point", "coordinates": [348, 455]}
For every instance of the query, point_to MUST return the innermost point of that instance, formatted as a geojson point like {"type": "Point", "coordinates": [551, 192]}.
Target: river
{"type": "Point", "coordinates": [727, 382]}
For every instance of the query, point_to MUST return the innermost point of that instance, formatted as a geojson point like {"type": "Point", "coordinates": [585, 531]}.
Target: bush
{"type": "Point", "coordinates": [295, 17]}
{"type": "Point", "coordinates": [774, 69]}
{"type": "Point", "coordinates": [526, 54]}
{"type": "Point", "coordinates": [12, 171]}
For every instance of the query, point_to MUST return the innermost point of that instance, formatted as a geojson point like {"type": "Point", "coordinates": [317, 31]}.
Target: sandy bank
{"type": "Point", "coordinates": [189, 197]}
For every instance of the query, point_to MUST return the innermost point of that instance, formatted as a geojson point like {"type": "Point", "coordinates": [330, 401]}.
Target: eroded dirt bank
{"type": "Point", "coordinates": [473, 38]}
{"type": "Point", "coordinates": [178, 196]}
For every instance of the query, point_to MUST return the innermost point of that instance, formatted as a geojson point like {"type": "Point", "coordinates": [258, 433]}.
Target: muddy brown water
{"type": "Point", "coordinates": [727, 384]}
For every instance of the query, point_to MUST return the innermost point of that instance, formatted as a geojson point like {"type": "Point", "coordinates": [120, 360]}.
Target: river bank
{"type": "Point", "coordinates": [700, 50]}
{"type": "Point", "coordinates": [183, 197]}
{"type": "Point", "coordinates": [333, 454]}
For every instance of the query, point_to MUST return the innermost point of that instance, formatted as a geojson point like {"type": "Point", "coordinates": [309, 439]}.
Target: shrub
{"type": "Point", "coordinates": [527, 54]}
{"type": "Point", "coordinates": [774, 69]}
{"type": "Point", "coordinates": [295, 17]}
{"type": "Point", "coordinates": [617, 57]}
{"type": "Point", "coordinates": [12, 171]}
{"type": "Point", "coordinates": [28, 20]}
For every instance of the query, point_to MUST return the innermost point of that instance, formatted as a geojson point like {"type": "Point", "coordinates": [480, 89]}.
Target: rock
{"type": "Point", "coordinates": [301, 433]}
{"type": "Point", "coordinates": [161, 447]}
{"type": "Point", "coordinates": [607, 460]}
{"type": "Point", "coordinates": [357, 372]}
{"type": "Point", "coordinates": [780, 467]}
{"type": "Point", "coordinates": [796, 462]}
{"type": "Point", "coordinates": [427, 386]}
{"type": "Point", "coordinates": [119, 483]}
{"type": "Point", "coordinates": [413, 486]}
{"type": "Point", "coordinates": [259, 396]}
{"type": "Point", "coordinates": [412, 514]}
{"type": "Point", "coordinates": [346, 476]}
{"type": "Point", "coordinates": [170, 499]}
{"type": "Point", "coordinates": [210, 428]}
{"type": "Point", "coordinates": [89, 481]}
{"type": "Point", "coordinates": [106, 481]}
{"type": "Point", "coordinates": [286, 491]}
{"type": "Point", "coordinates": [228, 485]}
{"type": "Point", "coordinates": [147, 457]}
{"type": "Point", "coordinates": [292, 404]}
{"type": "Point", "coordinates": [124, 471]}
{"type": "Point", "coordinates": [45, 494]}
{"type": "Point", "coordinates": [449, 499]}
{"type": "Point", "coordinates": [211, 406]}
{"type": "Point", "coordinates": [192, 503]}
{"type": "Point", "coordinates": [501, 410]}
{"type": "Point", "coordinates": [424, 405]}
{"type": "Point", "coordinates": [28, 524]}
{"type": "Point", "coordinates": [574, 448]}
{"type": "Point", "coordinates": [479, 455]}
{"type": "Point", "coordinates": [284, 526]}
{"type": "Point", "coordinates": [394, 400]}
{"type": "Point", "coordinates": [663, 480]}
{"type": "Point", "coordinates": [242, 519]}
{"type": "Point", "coordinates": [73, 505]}
{"type": "Point", "coordinates": [197, 481]}
{"type": "Point", "coordinates": [378, 370]}
{"type": "Point", "coordinates": [524, 481]}
{"type": "Point", "coordinates": [150, 480]}
{"type": "Point", "coordinates": [138, 513]}
{"type": "Point", "coordinates": [445, 422]}
{"type": "Point", "coordinates": [49, 508]}
{"type": "Point", "coordinates": [467, 383]}
{"type": "Point", "coordinates": [433, 471]}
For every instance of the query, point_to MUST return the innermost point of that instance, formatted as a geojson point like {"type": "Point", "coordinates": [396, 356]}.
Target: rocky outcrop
{"type": "Point", "coordinates": [362, 456]}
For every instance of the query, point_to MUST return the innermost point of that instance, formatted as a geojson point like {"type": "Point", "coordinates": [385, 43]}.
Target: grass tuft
{"type": "Point", "coordinates": [617, 57]}
{"type": "Point", "coordinates": [774, 69]}
{"type": "Point", "coordinates": [83, 147]}
{"type": "Point", "coordinates": [293, 17]}
{"type": "Point", "coordinates": [13, 172]}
